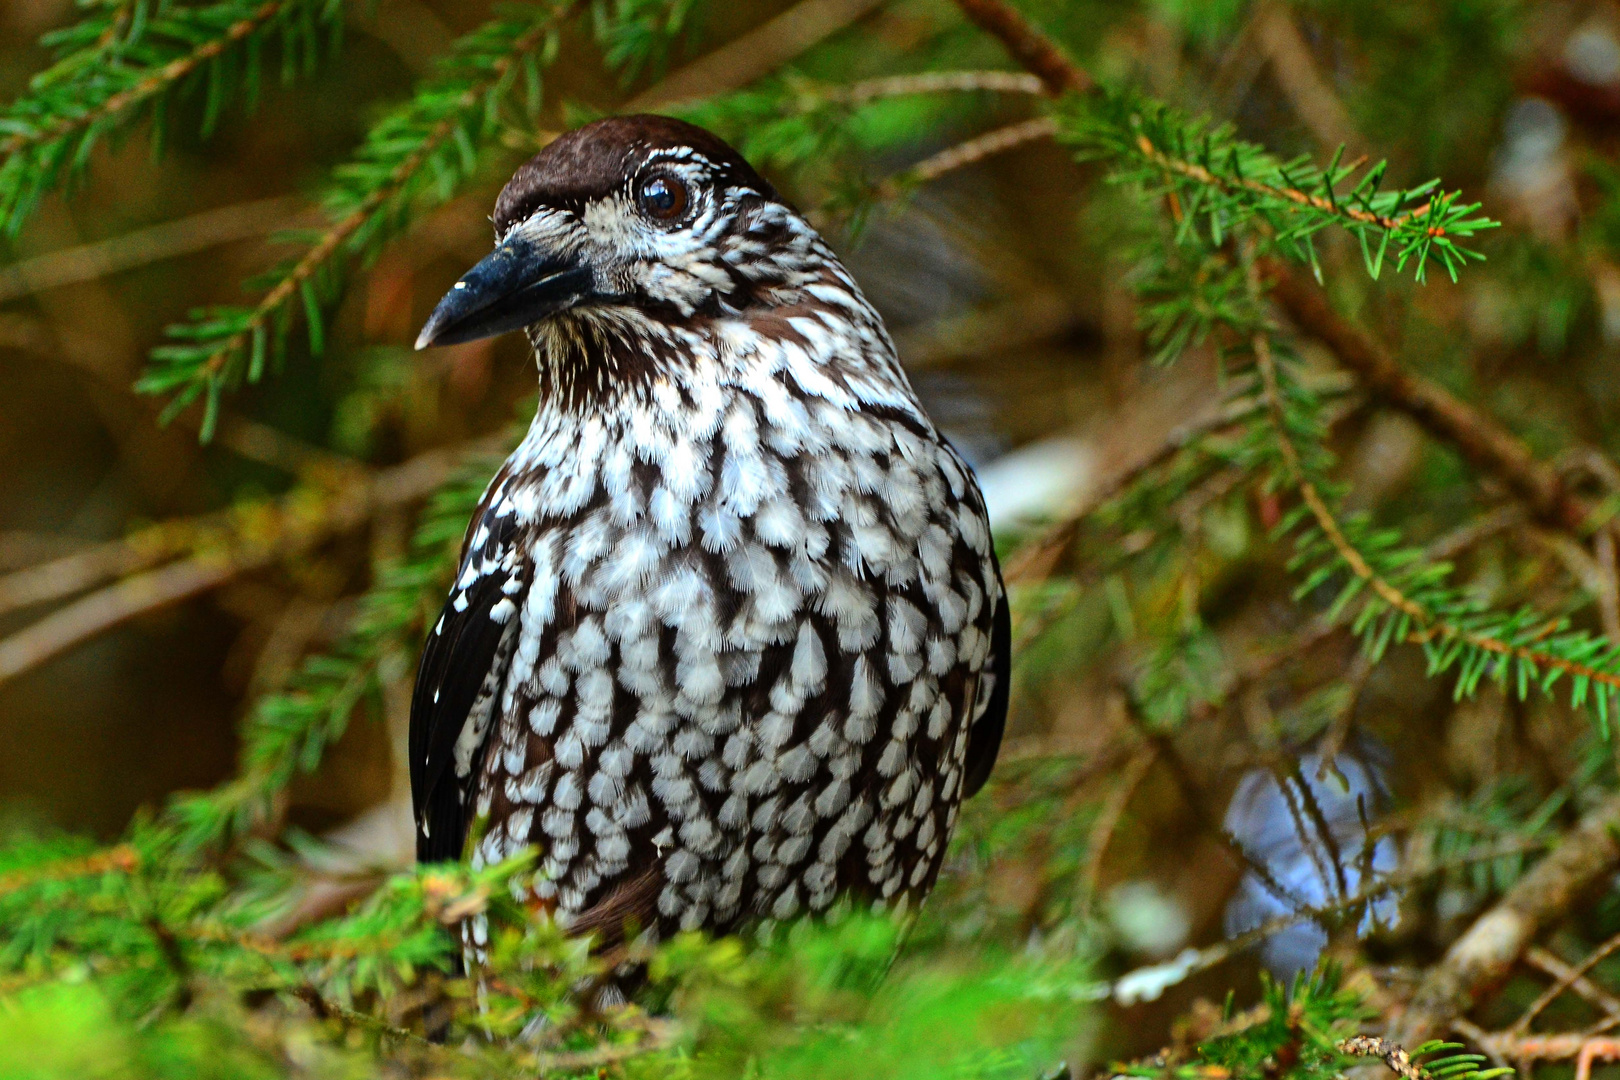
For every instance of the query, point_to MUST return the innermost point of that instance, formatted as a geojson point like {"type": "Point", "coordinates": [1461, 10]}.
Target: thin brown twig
{"type": "Point", "coordinates": [165, 240]}
{"type": "Point", "coordinates": [1034, 51]}
{"type": "Point", "coordinates": [1108, 820]}
{"type": "Point", "coordinates": [155, 544]}
{"type": "Point", "coordinates": [1448, 546]}
{"type": "Point", "coordinates": [1488, 949]}
{"type": "Point", "coordinates": [1564, 982]}
{"type": "Point", "coordinates": [970, 152]}
{"type": "Point", "coordinates": [291, 527]}
{"type": "Point", "coordinates": [1608, 596]}
{"type": "Point", "coordinates": [935, 82]}
{"type": "Point", "coordinates": [1502, 1046]}
{"type": "Point", "coordinates": [754, 54]}
{"type": "Point", "coordinates": [1555, 966]}
{"type": "Point", "coordinates": [101, 611]}
{"type": "Point", "coordinates": [80, 570]}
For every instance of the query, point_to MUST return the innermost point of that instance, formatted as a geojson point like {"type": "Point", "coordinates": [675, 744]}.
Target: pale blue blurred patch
{"type": "Point", "coordinates": [1307, 835]}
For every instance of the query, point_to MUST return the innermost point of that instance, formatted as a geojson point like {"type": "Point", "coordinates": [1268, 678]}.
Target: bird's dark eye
{"type": "Point", "coordinates": [662, 197]}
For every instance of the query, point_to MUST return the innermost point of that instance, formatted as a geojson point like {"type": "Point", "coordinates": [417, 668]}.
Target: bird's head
{"type": "Point", "coordinates": [632, 212]}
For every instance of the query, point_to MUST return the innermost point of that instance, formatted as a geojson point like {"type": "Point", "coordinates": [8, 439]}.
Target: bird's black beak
{"type": "Point", "coordinates": [518, 284]}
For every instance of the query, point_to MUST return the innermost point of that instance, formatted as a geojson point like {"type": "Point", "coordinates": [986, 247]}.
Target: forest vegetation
{"type": "Point", "coordinates": [1283, 334]}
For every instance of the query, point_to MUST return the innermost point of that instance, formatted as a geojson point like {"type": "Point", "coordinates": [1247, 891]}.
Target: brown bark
{"type": "Point", "coordinates": [1033, 50]}
{"type": "Point", "coordinates": [1479, 438]}
{"type": "Point", "coordinates": [1483, 956]}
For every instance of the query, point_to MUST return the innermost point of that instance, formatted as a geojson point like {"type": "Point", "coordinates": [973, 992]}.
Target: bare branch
{"type": "Point", "coordinates": [1485, 953]}
{"type": "Point", "coordinates": [969, 152]}
{"type": "Point", "coordinates": [1033, 50]}
{"type": "Point", "coordinates": [934, 82]}
{"type": "Point", "coordinates": [1478, 437]}
{"type": "Point", "coordinates": [166, 240]}
{"type": "Point", "coordinates": [754, 54]}
{"type": "Point", "coordinates": [1573, 979]}
{"type": "Point", "coordinates": [291, 527]}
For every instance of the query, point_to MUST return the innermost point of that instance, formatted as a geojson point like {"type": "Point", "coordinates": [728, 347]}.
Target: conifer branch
{"type": "Point", "coordinates": [121, 858]}
{"type": "Point", "coordinates": [288, 732]}
{"type": "Point", "coordinates": [123, 62]}
{"type": "Point", "coordinates": [1484, 954]}
{"type": "Point", "coordinates": [1212, 180]}
{"type": "Point", "coordinates": [157, 82]}
{"type": "Point", "coordinates": [1475, 434]}
{"type": "Point", "coordinates": [418, 155]}
{"type": "Point", "coordinates": [1412, 602]}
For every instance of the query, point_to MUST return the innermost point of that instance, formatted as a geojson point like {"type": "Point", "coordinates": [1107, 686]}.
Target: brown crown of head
{"type": "Point", "coordinates": [594, 161]}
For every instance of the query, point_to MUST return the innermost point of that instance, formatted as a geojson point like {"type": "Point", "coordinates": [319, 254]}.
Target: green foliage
{"type": "Point", "coordinates": [847, 1000]}
{"type": "Point", "coordinates": [183, 950]}
{"type": "Point", "coordinates": [1208, 177]}
{"type": "Point", "coordinates": [1224, 194]}
{"type": "Point", "coordinates": [638, 36]}
{"type": "Point", "coordinates": [125, 62]}
{"type": "Point", "coordinates": [417, 156]}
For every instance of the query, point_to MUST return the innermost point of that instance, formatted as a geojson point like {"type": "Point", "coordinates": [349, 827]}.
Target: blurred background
{"type": "Point", "coordinates": [1291, 774]}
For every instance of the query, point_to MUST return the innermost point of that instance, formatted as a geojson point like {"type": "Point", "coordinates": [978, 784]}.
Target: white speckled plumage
{"type": "Point", "coordinates": [735, 594]}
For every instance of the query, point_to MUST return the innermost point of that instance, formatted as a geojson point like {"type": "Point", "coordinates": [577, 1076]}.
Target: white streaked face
{"type": "Point", "coordinates": [663, 238]}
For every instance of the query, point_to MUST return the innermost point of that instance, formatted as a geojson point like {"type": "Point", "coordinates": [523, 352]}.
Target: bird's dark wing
{"type": "Point", "coordinates": [984, 740]}
{"type": "Point", "coordinates": [459, 682]}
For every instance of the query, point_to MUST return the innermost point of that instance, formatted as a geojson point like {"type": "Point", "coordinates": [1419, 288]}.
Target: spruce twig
{"type": "Point", "coordinates": [417, 155]}
{"type": "Point", "coordinates": [126, 60]}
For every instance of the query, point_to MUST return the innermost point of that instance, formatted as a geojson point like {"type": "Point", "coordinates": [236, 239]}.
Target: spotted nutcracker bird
{"type": "Point", "coordinates": [728, 640]}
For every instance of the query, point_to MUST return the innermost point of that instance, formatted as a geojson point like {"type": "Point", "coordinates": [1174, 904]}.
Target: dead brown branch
{"type": "Point", "coordinates": [754, 54]}
{"type": "Point", "coordinates": [290, 527]}
{"type": "Point", "coordinates": [1586, 1047]}
{"type": "Point", "coordinates": [969, 152]}
{"type": "Point", "coordinates": [1034, 51]}
{"type": "Point", "coordinates": [1477, 436]}
{"type": "Point", "coordinates": [1108, 820]}
{"type": "Point", "coordinates": [166, 240]}
{"type": "Point", "coordinates": [1034, 560]}
{"type": "Point", "coordinates": [1562, 982]}
{"type": "Point", "coordinates": [1572, 978]}
{"type": "Point", "coordinates": [934, 82]}
{"type": "Point", "coordinates": [1483, 956]}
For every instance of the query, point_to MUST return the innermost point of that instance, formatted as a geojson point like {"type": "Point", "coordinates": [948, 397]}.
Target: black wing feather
{"type": "Point", "coordinates": [461, 652]}
{"type": "Point", "coordinates": [984, 740]}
